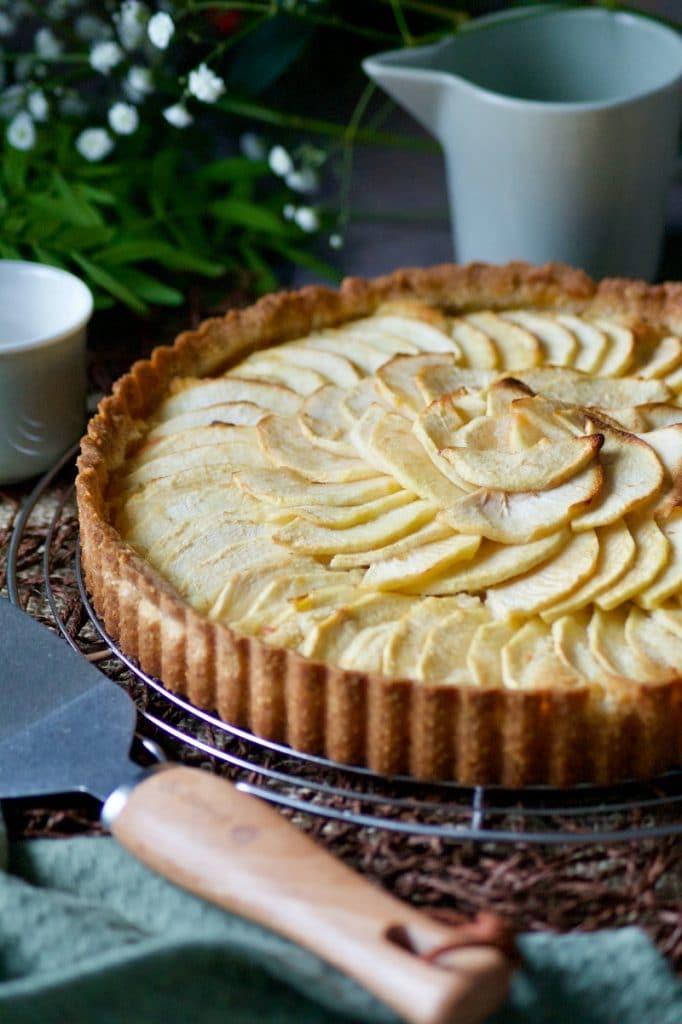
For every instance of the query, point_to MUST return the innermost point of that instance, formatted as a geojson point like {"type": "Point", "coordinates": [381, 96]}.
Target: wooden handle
{"type": "Point", "coordinates": [238, 852]}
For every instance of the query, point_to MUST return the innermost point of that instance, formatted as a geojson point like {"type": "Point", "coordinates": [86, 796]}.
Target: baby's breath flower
{"type": "Point", "coordinates": [160, 29]}
{"type": "Point", "coordinates": [21, 132]}
{"type": "Point", "coordinates": [90, 28]}
{"type": "Point", "coordinates": [304, 180]}
{"type": "Point", "coordinates": [336, 241]}
{"type": "Point", "coordinates": [123, 118]}
{"type": "Point", "coordinates": [46, 43]}
{"type": "Point", "coordinates": [289, 211]}
{"type": "Point", "coordinates": [131, 22]}
{"type": "Point", "coordinates": [7, 26]}
{"type": "Point", "coordinates": [280, 162]}
{"type": "Point", "coordinates": [252, 146]}
{"type": "Point", "coordinates": [205, 84]}
{"type": "Point", "coordinates": [138, 83]}
{"type": "Point", "coordinates": [178, 115]}
{"type": "Point", "coordinates": [94, 144]}
{"type": "Point", "coordinates": [307, 219]}
{"type": "Point", "coordinates": [105, 55]}
{"type": "Point", "coordinates": [37, 105]}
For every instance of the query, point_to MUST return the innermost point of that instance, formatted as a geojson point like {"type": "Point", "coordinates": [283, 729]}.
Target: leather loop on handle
{"type": "Point", "coordinates": [234, 850]}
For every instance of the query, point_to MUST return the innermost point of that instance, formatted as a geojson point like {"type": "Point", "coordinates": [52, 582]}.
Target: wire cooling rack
{"type": "Point", "coordinates": [309, 784]}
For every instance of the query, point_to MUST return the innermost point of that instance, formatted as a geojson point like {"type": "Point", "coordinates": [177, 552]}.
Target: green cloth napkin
{"type": "Point", "coordinates": [87, 934]}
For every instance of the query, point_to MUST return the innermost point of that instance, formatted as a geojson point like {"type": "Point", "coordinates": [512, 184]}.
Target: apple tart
{"type": "Point", "coordinates": [430, 523]}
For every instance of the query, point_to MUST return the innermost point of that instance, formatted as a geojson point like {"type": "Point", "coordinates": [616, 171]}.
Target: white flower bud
{"type": "Point", "coordinates": [7, 26]}
{"type": "Point", "coordinates": [160, 29]}
{"type": "Point", "coordinates": [307, 219]}
{"type": "Point", "coordinates": [289, 211]}
{"type": "Point", "coordinates": [252, 146]}
{"type": "Point", "coordinates": [280, 162]}
{"type": "Point", "coordinates": [21, 132]}
{"type": "Point", "coordinates": [37, 105]}
{"type": "Point", "coordinates": [336, 241]}
{"type": "Point", "coordinates": [46, 43]}
{"type": "Point", "coordinates": [205, 84]}
{"type": "Point", "coordinates": [304, 181]}
{"type": "Point", "coordinates": [105, 55]}
{"type": "Point", "coordinates": [131, 22]}
{"type": "Point", "coordinates": [178, 115]}
{"type": "Point", "coordinates": [138, 83]}
{"type": "Point", "coordinates": [123, 118]}
{"type": "Point", "coordinates": [94, 144]}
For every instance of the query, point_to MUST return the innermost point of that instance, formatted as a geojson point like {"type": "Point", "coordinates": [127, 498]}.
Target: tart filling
{"type": "Point", "coordinates": [469, 508]}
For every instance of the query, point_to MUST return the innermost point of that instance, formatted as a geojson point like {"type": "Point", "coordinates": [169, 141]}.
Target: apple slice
{"type": "Point", "coordinates": [572, 647]}
{"type": "Point", "coordinates": [621, 351]}
{"type": "Point", "coordinates": [559, 344]}
{"type": "Point", "coordinates": [572, 387]}
{"type": "Point", "coordinates": [446, 645]}
{"type": "Point", "coordinates": [502, 394]}
{"type": "Point", "coordinates": [606, 636]}
{"type": "Point", "coordinates": [284, 445]}
{"type": "Point", "coordinates": [633, 474]}
{"type": "Point", "coordinates": [592, 341]}
{"type": "Point", "coordinates": [404, 647]}
{"type": "Point", "coordinates": [616, 556]}
{"type": "Point", "coordinates": [484, 657]}
{"type": "Point", "coordinates": [517, 348]}
{"type": "Point", "coordinates": [328, 640]}
{"type": "Point", "coordinates": [365, 652]}
{"type": "Point", "coordinates": [360, 353]}
{"type": "Point", "coordinates": [189, 393]}
{"type": "Point", "coordinates": [425, 337]}
{"type": "Point", "coordinates": [665, 358]}
{"type": "Point", "coordinates": [271, 366]}
{"type": "Point", "coordinates": [307, 538]}
{"type": "Point", "coordinates": [652, 642]}
{"type": "Point", "coordinates": [530, 662]}
{"type": "Point", "coordinates": [495, 563]}
{"type": "Point", "coordinates": [539, 468]}
{"type": "Point", "coordinates": [524, 516]}
{"type": "Point", "coordinates": [659, 414]}
{"type": "Point", "coordinates": [652, 551]}
{"type": "Point", "coordinates": [286, 488]}
{"type": "Point", "coordinates": [345, 516]}
{"type": "Point", "coordinates": [270, 583]}
{"type": "Point", "coordinates": [396, 380]}
{"type": "Point", "coordinates": [476, 347]}
{"type": "Point", "coordinates": [547, 584]}
{"type": "Point", "coordinates": [386, 441]}
{"type": "Point", "coordinates": [668, 583]}
{"type": "Point", "coordinates": [429, 533]}
{"type": "Point", "coordinates": [417, 567]}
{"type": "Point", "coordinates": [669, 618]}
{"type": "Point", "coordinates": [323, 420]}
{"type": "Point", "coordinates": [434, 428]}
{"type": "Point", "coordinates": [442, 378]}
{"type": "Point", "coordinates": [244, 414]}
{"type": "Point", "coordinates": [335, 368]}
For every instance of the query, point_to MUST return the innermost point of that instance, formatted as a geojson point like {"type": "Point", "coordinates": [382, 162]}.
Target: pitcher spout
{"type": "Point", "coordinates": [406, 76]}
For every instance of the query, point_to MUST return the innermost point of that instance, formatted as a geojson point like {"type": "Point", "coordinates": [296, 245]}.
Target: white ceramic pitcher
{"type": "Point", "coordinates": [560, 130]}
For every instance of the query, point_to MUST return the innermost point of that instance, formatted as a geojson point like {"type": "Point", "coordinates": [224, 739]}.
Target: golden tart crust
{"type": "Point", "coordinates": [562, 729]}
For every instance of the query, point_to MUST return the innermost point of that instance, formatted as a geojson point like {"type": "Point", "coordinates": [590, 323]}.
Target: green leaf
{"type": "Point", "coordinates": [267, 281]}
{"type": "Point", "coordinates": [75, 206]}
{"type": "Point", "coordinates": [98, 195]}
{"type": "Point", "coordinates": [14, 166]}
{"type": "Point", "coordinates": [152, 250]}
{"type": "Point", "coordinates": [149, 288]}
{"type": "Point", "coordinates": [249, 215]}
{"type": "Point", "coordinates": [109, 282]}
{"type": "Point", "coordinates": [232, 168]}
{"type": "Point", "coordinates": [83, 238]}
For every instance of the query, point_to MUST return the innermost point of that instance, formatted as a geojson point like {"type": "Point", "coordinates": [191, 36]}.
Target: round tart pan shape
{"type": "Point", "coordinates": [547, 735]}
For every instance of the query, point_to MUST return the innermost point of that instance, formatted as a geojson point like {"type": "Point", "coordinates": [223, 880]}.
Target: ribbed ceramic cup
{"type": "Point", "coordinates": [560, 131]}
{"type": "Point", "coordinates": [44, 313]}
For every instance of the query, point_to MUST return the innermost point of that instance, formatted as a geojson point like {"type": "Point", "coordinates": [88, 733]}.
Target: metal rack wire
{"type": "Point", "coordinates": [310, 784]}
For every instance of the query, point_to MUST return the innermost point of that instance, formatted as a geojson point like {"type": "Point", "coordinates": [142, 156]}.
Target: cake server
{"type": "Point", "coordinates": [65, 727]}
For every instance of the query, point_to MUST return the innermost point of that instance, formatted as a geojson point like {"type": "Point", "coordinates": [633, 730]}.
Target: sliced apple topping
{"type": "Point", "coordinates": [542, 466]}
{"type": "Point", "coordinates": [482, 499]}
